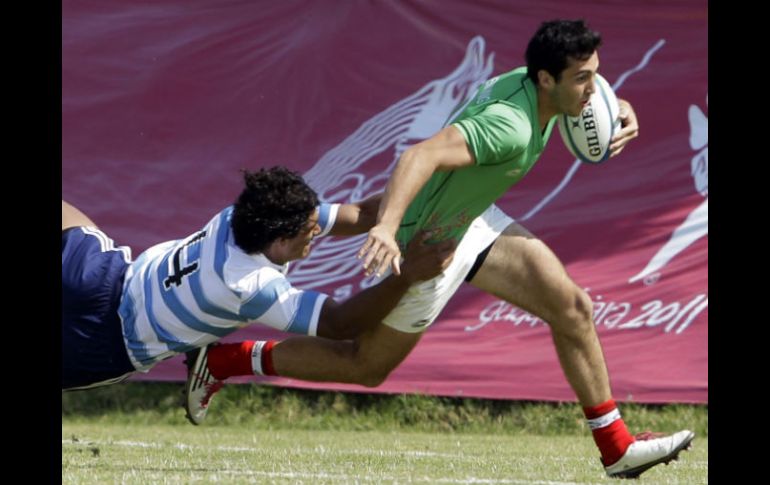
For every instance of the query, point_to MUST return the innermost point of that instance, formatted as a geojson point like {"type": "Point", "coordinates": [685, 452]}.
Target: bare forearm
{"type": "Point", "coordinates": [356, 218]}
{"type": "Point", "coordinates": [362, 311]}
{"type": "Point", "coordinates": [411, 174]}
{"type": "Point", "coordinates": [444, 151]}
{"type": "Point", "coordinates": [369, 307]}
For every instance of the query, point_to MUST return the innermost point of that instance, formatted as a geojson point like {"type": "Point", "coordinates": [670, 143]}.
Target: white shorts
{"type": "Point", "coordinates": [423, 301]}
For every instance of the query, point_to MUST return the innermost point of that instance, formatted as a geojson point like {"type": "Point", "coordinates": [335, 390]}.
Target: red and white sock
{"type": "Point", "coordinates": [262, 358]}
{"type": "Point", "coordinates": [241, 359]}
{"type": "Point", "coordinates": [609, 430]}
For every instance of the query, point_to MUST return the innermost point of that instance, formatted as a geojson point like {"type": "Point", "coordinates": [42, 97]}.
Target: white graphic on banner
{"type": "Point", "coordinates": [696, 225]}
{"type": "Point", "coordinates": [337, 176]}
{"type": "Point", "coordinates": [670, 317]}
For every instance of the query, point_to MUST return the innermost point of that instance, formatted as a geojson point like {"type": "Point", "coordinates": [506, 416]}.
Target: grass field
{"type": "Point", "coordinates": [98, 453]}
{"type": "Point", "coordinates": [135, 433]}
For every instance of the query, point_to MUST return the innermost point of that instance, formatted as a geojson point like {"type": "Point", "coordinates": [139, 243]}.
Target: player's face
{"type": "Point", "coordinates": [298, 247]}
{"type": "Point", "coordinates": [576, 85]}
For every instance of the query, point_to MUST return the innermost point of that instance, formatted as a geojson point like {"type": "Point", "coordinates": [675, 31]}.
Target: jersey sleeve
{"type": "Point", "coordinates": [277, 304]}
{"type": "Point", "coordinates": [497, 134]}
{"type": "Point", "coordinates": [327, 215]}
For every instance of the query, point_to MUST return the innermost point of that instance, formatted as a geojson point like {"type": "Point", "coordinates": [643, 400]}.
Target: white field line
{"type": "Point", "coordinates": [381, 478]}
{"type": "Point", "coordinates": [250, 449]}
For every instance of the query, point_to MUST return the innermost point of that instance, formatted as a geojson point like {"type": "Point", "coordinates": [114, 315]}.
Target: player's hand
{"type": "Point", "coordinates": [629, 128]}
{"type": "Point", "coordinates": [380, 251]}
{"type": "Point", "coordinates": [424, 261]}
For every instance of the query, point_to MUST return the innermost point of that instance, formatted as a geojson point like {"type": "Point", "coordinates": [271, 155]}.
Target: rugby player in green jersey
{"type": "Point", "coordinates": [447, 185]}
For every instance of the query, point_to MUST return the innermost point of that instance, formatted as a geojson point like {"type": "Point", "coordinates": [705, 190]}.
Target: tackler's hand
{"type": "Point", "coordinates": [423, 261]}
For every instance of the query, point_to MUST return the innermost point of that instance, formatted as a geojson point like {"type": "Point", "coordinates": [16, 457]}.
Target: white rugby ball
{"type": "Point", "coordinates": [588, 136]}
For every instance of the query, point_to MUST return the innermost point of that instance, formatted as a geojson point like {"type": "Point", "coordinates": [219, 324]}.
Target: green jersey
{"type": "Point", "coordinates": [502, 130]}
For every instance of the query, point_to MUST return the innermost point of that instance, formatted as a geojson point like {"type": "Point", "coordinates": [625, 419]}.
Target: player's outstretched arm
{"type": "Point", "coordinates": [447, 150]}
{"type": "Point", "coordinates": [364, 310]}
{"type": "Point", "coordinates": [356, 218]}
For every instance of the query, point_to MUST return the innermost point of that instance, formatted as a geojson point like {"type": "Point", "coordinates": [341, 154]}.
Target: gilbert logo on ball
{"type": "Point", "coordinates": [588, 136]}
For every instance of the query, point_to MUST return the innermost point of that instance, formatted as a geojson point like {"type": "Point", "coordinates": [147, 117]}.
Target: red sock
{"type": "Point", "coordinates": [609, 430]}
{"type": "Point", "coordinates": [227, 360]}
{"type": "Point", "coordinates": [265, 358]}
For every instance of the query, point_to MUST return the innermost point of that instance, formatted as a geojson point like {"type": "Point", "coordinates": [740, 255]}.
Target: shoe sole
{"type": "Point", "coordinates": [189, 383]}
{"type": "Point", "coordinates": [674, 455]}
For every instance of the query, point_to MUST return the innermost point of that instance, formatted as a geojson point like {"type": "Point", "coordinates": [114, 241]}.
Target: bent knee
{"type": "Point", "coordinates": [379, 352]}
{"type": "Point", "coordinates": [373, 380]}
{"type": "Point", "coordinates": [582, 308]}
{"type": "Point", "coordinates": [372, 376]}
{"type": "Point", "coordinates": [370, 372]}
{"type": "Point", "coordinates": [575, 311]}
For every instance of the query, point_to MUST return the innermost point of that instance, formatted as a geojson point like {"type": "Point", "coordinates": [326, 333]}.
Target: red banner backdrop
{"type": "Point", "coordinates": [163, 103]}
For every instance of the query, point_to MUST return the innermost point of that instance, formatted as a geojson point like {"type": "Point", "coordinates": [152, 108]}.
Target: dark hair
{"type": "Point", "coordinates": [276, 203]}
{"type": "Point", "coordinates": [557, 40]}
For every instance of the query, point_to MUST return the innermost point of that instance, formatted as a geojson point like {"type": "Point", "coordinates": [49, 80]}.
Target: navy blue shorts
{"type": "Point", "coordinates": [92, 270]}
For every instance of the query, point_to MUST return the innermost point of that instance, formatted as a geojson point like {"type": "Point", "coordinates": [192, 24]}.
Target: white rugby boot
{"type": "Point", "coordinates": [201, 385]}
{"type": "Point", "coordinates": [648, 450]}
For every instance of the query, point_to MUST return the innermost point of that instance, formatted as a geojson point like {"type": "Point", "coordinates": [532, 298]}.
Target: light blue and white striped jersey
{"type": "Point", "coordinates": [187, 293]}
